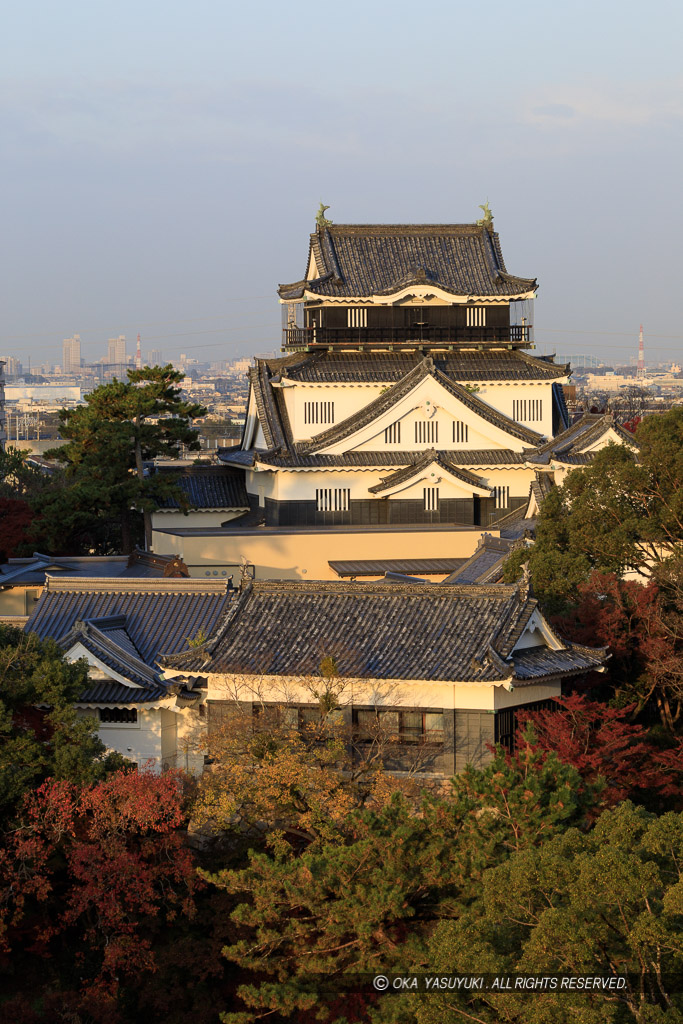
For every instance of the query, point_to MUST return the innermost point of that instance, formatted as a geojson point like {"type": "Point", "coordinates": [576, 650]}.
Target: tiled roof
{"type": "Point", "coordinates": [380, 566]}
{"type": "Point", "coordinates": [429, 458]}
{"type": "Point", "coordinates": [112, 692]}
{"type": "Point", "coordinates": [381, 459]}
{"type": "Point", "coordinates": [356, 260]}
{"type": "Point", "coordinates": [389, 367]}
{"type": "Point", "coordinates": [581, 435]}
{"type": "Point", "coordinates": [114, 648]}
{"type": "Point", "coordinates": [535, 662]}
{"type": "Point", "coordinates": [485, 565]}
{"type": "Point", "coordinates": [28, 571]}
{"type": "Point", "coordinates": [267, 407]}
{"type": "Point", "coordinates": [160, 614]}
{"type": "Point", "coordinates": [235, 456]}
{"type": "Point", "coordinates": [208, 487]}
{"type": "Point", "coordinates": [394, 394]}
{"type": "Point", "coordinates": [373, 630]}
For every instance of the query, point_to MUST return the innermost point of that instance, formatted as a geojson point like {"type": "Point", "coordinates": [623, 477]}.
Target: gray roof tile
{"type": "Point", "coordinates": [216, 487]}
{"type": "Point", "coordinates": [160, 614]}
{"type": "Point", "coordinates": [379, 259]}
{"type": "Point", "coordinates": [390, 367]}
{"type": "Point", "coordinates": [373, 630]}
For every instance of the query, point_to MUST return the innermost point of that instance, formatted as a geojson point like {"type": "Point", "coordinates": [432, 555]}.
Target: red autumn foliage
{"type": "Point", "coordinates": [98, 868]}
{"type": "Point", "coordinates": [646, 658]}
{"type": "Point", "coordinates": [599, 742]}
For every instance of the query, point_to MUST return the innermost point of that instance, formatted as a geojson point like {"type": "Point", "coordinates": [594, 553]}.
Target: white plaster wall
{"type": "Point", "coordinates": [351, 398]}
{"type": "Point", "coordinates": [388, 693]}
{"type": "Point", "coordinates": [348, 399]}
{"type": "Point", "coordinates": [419, 404]}
{"type": "Point", "coordinates": [501, 396]}
{"type": "Point", "coordinates": [281, 553]}
{"type": "Point", "coordinates": [288, 485]}
{"type": "Point", "coordinates": [195, 517]}
{"type": "Point", "coordinates": [139, 742]}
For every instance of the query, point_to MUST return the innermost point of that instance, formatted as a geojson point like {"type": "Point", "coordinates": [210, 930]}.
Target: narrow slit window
{"type": "Point", "coordinates": [356, 318]}
{"type": "Point", "coordinates": [392, 434]}
{"type": "Point", "coordinates": [333, 499]}
{"type": "Point", "coordinates": [460, 432]}
{"type": "Point", "coordinates": [431, 499]}
{"type": "Point", "coordinates": [502, 495]}
{"type": "Point", "coordinates": [426, 432]}
{"type": "Point", "coordinates": [319, 413]}
{"type": "Point", "coordinates": [476, 316]}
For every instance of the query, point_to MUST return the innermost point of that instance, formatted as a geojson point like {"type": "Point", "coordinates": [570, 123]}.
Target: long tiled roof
{"type": "Point", "coordinates": [160, 614]}
{"type": "Point", "coordinates": [388, 367]}
{"type": "Point", "coordinates": [429, 458]}
{"type": "Point", "coordinates": [380, 566]}
{"type": "Point", "coordinates": [208, 487]}
{"type": "Point", "coordinates": [373, 630]}
{"type": "Point", "coordinates": [358, 260]}
{"type": "Point", "coordinates": [111, 692]}
{"type": "Point", "coordinates": [28, 571]}
{"type": "Point", "coordinates": [340, 431]}
{"type": "Point", "coordinates": [381, 459]}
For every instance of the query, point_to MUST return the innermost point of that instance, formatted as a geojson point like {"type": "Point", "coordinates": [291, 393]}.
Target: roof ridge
{"type": "Point", "coordinates": [173, 585]}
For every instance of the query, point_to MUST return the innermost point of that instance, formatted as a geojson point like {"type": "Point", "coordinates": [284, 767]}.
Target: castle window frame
{"type": "Point", "coordinates": [318, 413]}
{"type": "Point", "coordinates": [426, 432]}
{"type": "Point", "coordinates": [333, 499]}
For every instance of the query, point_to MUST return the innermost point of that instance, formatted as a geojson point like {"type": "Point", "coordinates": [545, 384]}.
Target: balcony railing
{"type": "Point", "coordinates": [408, 337]}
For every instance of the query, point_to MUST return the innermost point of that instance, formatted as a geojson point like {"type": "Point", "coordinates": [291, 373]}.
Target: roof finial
{"type": "Point", "coordinates": [320, 218]}
{"type": "Point", "coordinates": [487, 220]}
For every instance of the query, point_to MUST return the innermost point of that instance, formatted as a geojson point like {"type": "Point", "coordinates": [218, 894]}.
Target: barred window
{"type": "Point", "coordinates": [392, 434]}
{"type": "Point", "coordinates": [460, 432]}
{"type": "Point", "coordinates": [356, 318]}
{"type": "Point", "coordinates": [118, 716]}
{"type": "Point", "coordinates": [426, 432]}
{"type": "Point", "coordinates": [527, 410]}
{"type": "Point", "coordinates": [333, 499]}
{"type": "Point", "coordinates": [502, 496]}
{"type": "Point", "coordinates": [476, 316]}
{"type": "Point", "coordinates": [319, 412]}
{"type": "Point", "coordinates": [431, 499]}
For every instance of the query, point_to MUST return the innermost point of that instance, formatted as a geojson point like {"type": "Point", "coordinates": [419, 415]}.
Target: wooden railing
{"type": "Point", "coordinates": [381, 337]}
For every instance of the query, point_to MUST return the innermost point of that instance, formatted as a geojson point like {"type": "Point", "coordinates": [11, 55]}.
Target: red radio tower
{"type": "Point", "coordinates": [641, 355]}
{"type": "Point", "coordinates": [138, 355]}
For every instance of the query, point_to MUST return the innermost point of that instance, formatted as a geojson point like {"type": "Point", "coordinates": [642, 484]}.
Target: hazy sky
{"type": "Point", "coordinates": [163, 161]}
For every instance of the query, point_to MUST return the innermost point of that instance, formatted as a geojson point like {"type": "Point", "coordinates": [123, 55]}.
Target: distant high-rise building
{"type": "Point", "coordinates": [13, 367]}
{"type": "Point", "coordinates": [117, 350]}
{"type": "Point", "coordinates": [71, 354]}
{"type": "Point", "coordinates": [154, 357]}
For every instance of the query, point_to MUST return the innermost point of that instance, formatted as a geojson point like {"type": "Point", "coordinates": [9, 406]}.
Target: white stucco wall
{"type": "Point", "coordinates": [391, 692]}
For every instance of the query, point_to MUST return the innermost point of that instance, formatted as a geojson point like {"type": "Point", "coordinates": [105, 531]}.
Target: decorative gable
{"type": "Point", "coordinates": [434, 412]}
